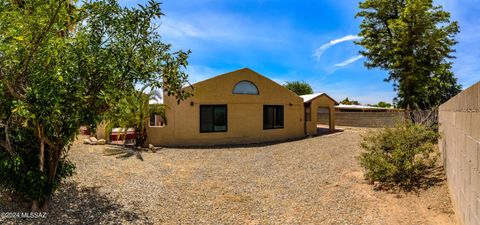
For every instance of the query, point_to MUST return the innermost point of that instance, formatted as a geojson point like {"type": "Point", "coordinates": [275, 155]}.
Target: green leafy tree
{"type": "Point", "coordinates": [412, 40]}
{"type": "Point", "coordinates": [63, 65]}
{"type": "Point", "coordinates": [384, 105]}
{"type": "Point", "coordinates": [299, 87]}
{"type": "Point", "coordinates": [347, 101]}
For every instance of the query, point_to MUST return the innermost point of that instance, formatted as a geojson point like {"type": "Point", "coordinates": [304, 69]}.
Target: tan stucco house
{"type": "Point", "coordinates": [237, 108]}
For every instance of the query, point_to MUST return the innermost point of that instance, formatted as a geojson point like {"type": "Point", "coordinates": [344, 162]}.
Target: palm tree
{"type": "Point", "coordinates": [134, 111]}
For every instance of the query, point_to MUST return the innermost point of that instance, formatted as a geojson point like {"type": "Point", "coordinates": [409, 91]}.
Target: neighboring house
{"type": "Point", "coordinates": [319, 108]}
{"type": "Point", "coordinates": [364, 108]}
{"type": "Point", "coordinates": [237, 108]}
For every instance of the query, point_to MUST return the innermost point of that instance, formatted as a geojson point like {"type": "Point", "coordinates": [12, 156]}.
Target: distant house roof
{"type": "Point", "coordinates": [364, 107]}
{"type": "Point", "coordinates": [310, 97]}
{"type": "Point", "coordinates": [155, 101]}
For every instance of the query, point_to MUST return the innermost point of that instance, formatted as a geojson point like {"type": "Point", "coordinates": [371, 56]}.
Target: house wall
{"type": "Point", "coordinates": [244, 113]}
{"type": "Point", "coordinates": [321, 101]}
{"type": "Point", "coordinates": [460, 147]}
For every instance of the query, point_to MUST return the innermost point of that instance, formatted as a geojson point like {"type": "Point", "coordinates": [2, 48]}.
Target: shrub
{"type": "Point", "coordinates": [20, 174]}
{"type": "Point", "coordinates": [401, 155]}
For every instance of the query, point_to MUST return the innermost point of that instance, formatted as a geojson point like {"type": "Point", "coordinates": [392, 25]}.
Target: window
{"type": "Point", "coordinates": [156, 120]}
{"type": "Point", "coordinates": [272, 116]}
{"type": "Point", "coordinates": [245, 87]}
{"type": "Point", "coordinates": [213, 118]}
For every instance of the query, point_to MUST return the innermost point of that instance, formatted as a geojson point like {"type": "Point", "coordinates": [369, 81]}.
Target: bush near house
{"type": "Point", "coordinates": [399, 156]}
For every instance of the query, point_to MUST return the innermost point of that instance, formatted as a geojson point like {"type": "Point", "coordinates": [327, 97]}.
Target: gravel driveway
{"type": "Point", "coordinates": [310, 181]}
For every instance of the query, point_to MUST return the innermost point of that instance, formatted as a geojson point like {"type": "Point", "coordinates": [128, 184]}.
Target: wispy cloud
{"type": "Point", "coordinates": [348, 61]}
{"type": "Point", "coordinates": [197, 73]}
{"type": "Point", "coordinates": [319, 51]}
{"type": "Point", "coordinates": [179, 29]}
{"type": "Point", "coordinates": [220, 27]}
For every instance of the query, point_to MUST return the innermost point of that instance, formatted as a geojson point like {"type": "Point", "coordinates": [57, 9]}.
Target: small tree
{"type": "Point", "coordinates": [133, 111]}
{"type": "Point", "coordinates": [384, 105]}
{"type": "Point", "coordinates": [347, 101]}
{"type": "Point", "coordinates": [299, 87]}
{"type": "Point", "coordinates": [61, 66]}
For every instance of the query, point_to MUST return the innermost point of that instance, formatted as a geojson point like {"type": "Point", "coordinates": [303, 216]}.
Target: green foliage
{"type": "Point", "coordinates": [412, 40]}
{"type": "Point", "coordinates": [133, 111]}
{"type": "Point", "coordinates": [401, 155]}
{"type": "Point", "coordinates": [299, 87]}
{"type": "Point", "coordinates": [347, 101]}
{"type": "Point", "coordinates": [63, 64]}
{"type": "Point", "coordinates": [20, 173]}
{"type": "Point", "coordinates": [383, 105]}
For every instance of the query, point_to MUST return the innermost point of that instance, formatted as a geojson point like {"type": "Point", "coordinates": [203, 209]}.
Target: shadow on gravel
{"type": "Point", "coordinates": [434, 177]}
{"type": "Point", "coordinates": [77, 205]}
{"type": "Point", "coordinates": [121, 152]}
{"type": "Point", "coordinates": [251, 145]}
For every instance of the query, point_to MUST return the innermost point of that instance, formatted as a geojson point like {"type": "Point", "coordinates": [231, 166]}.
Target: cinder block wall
{"type": "Point", "coordinates": [363, 119]}
{"type": "Point", "coordinates": [460, 147]}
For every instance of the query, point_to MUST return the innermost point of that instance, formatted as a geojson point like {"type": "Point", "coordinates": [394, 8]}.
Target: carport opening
{"type": "Point", "coordinates": [324, 124]}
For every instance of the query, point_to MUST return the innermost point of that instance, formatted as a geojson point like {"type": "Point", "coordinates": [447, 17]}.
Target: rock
{"type": "Point", "coordinates": [101, 142]}
{"type": "Point", "coordinates": [151, 147]}
{"type": "Point", "coordinates": [377, 186]}
{"type": "Point", "coordinates": [87, 141]}
{"type": "Point", "coordinates": [93, 139]}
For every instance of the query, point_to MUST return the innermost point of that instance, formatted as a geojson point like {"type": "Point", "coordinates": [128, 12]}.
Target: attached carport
{"type": "Point", "coordinates": [319, 108]}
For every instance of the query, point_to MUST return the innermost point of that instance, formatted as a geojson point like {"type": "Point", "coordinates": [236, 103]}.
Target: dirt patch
{"type": "Point", "coordinates": [315, 181]}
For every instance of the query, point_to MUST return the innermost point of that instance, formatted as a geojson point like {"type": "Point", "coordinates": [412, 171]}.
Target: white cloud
{"type": "Point", "coordinates": [179, 29]}
{"type": "Point", "coordinates": [319, 51]}
{"type": "Point", "coordinates": [220, 27]}
{"type": "Point", "coordinates": [348, 61]}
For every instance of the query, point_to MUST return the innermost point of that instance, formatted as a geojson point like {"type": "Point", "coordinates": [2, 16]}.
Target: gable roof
{"type": "Point", "coordinates": [247, 71]}
{"type": "Point", "coordinates": [311, 97]}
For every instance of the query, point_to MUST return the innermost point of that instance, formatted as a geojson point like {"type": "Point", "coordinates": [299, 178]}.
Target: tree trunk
{"type": "Point", "coordinates": [41, 164]}
{"type": "Point", "coordinates": [53, 161]}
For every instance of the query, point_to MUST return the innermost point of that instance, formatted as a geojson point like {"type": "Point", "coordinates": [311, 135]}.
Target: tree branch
{"type": "Point", "coordinates": [42, 36]}
{"type": "Point", "coordinates": [6, 143]}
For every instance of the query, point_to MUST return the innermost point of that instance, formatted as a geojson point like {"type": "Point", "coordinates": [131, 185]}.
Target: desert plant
{"type": "Point", "coordinates": [399, 156]}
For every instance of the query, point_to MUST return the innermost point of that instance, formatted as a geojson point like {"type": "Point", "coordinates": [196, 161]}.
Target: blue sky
{"type": "Point", "coordinates": [286, 40]}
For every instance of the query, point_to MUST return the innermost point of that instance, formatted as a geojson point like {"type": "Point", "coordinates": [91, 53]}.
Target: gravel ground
{"type": "Point", "coordinates": [310, 181]}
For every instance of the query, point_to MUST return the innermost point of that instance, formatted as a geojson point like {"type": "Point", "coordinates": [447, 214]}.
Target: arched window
{"type": "Point", "coordinates": [245, 87]}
